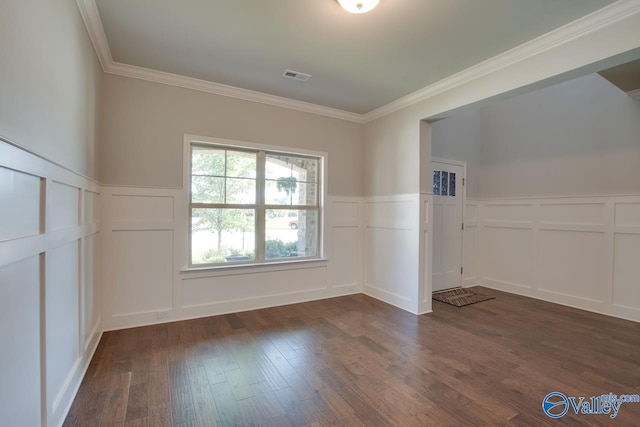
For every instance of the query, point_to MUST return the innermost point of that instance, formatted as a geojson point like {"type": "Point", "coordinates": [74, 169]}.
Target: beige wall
{"type": "Point", "coordinates": [143, 126]}
{"type": "Point", "coordinates": [49, 82]}
{"type": "Point", "coordinates": [458, 138]}
{"type": "Point", "coordinates": [577, 138]}
{"type": "Point", "coordinates": [392, 147]}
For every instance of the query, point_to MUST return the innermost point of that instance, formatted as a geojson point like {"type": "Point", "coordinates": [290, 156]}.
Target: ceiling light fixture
{"type": "Point", "coordinates": [358, 6]}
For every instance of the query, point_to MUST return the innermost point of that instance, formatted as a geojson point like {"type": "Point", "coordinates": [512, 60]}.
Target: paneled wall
{"type": "Point", "coordinates": [578, 251]}
{"type": "Point", "coordinates": [49, 286]}
{"type": "Point", "coordinates": [146, 241]}
{"type": "Point", "coordinates": [470, 243]}
{"type": "Point", "coordinates": [394, 263]}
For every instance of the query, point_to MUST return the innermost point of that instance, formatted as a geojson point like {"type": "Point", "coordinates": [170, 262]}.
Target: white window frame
{"type": "Point", "coordinates": [261, 207]}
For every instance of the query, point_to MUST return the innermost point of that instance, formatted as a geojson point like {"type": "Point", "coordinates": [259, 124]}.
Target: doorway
{"type": "Point", "coordinates": [449, 178]}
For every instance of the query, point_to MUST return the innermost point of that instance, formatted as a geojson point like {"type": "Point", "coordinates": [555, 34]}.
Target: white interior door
{"type": "Point", "coordinates": [448, 195]}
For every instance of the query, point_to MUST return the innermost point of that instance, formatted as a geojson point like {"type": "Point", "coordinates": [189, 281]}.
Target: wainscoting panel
{"type": "Point", "coordinates": [63, 206]}
{"type": "Point", "coordinates": [392, 264]}
{"type": "Point", "coordinates": [578, 251]}
{"type": "Point", "coordinates": [510, 213]}
{"type": "Point", "coordinates": [344, 244]}
{"type": "Point", "coordinates": [91, 208]}
{"type": "Point", "coordinates": [425, 245]}
{"type": "Point", "coordinates": [471, 244]}
{"type": "Point", "coordinates": [470, 254]}
{"type": "Point", "coordinates": [141, 208]}
{"type": "Point", "coordinates": [506, 255]}
{"type": "Point", "coordinates": [142, 265]}
{"type": "Point", "coordinates": [247, 286]}
{"type": "Point", "coordinates": [20, 388]}
{"type": "Point", "coordinates": [627, 213]}
{"type": "Point", "coordinates": [145, 241]}
{"type": "Point", "coordinates": [62, 316]}
{"type": "Point", "coordinates": [346, 210]}
{"type": "Point", "coordinates": [19, 204]}
{"type": "Point", "coordinates": [626, 272]}
{"type": "Point", "coordinates": [471, 212]}
{"type": "Point", "coordinates": [49, 285]}
{"type": "Point", "coordinates": [392, 212]}
{"type": "Point", "coordinates": [390, 267]}
{"type": "Point", "coordinates": [438, 236]}
{"type": "Point", "coordinates": [344, 271]}
{"type": "Point", "coordinates": [91, 313]}
{"type": "Point", "coordinates": [573, 213]}
{"type": "Point", "coordinates": [571, 263]}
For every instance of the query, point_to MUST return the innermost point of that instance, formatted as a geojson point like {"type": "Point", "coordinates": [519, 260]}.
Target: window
{"type": "Point", "coordinates": [251, 206]}
{"type": "Point", "coordinates": [444, 183]}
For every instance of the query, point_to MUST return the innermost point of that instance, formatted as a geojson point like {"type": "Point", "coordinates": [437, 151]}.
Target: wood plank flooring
{"type": "Point", "coordinates": [355, 361]}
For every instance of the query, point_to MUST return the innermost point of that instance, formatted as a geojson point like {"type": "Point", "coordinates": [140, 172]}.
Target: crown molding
{"type": "Point", "coordinates": [634, 94]}
{"type": "Point", "coordinates": [93, 23]}
{"type": "Point", "coordinates": [229, 91]}
{"type": "Point", "coordinates": [595, 21]}
{"type": "Point", "coordinates": [581, 27]}
{"type": "Point", "coordinates": [91, 18]}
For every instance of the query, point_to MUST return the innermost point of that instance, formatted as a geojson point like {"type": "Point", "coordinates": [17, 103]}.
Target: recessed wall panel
{"type": "Point", "coordinates": [506, 255]}
{"type": "Point", "coordinates": [508, 213]}
{"type": "Point", "coordinates": [91, 207]}
{"type": "Point", "coordinates": [571, 263]}
{"type": "Point", "coordinates": [141, 208]}
{"type": "Point", "coordinates": [242, 287]}
{"type": "Point", "coordinates": [437, 238]}
{"type": "Point", "coordinates": [573, 213]}
{"type": "Point", "coordinates": [471, 213]}
{"type": "Point", "coordinates": [391, 261]}
{"type": "Point", "coordinates": [626, 271]}
{"type": "Point", "coordinates": [345, 211]}
{"type": "Point", "coordinates": [397, 214]}
{"type": "Point", "coordinates": [627, 214]}
{"type": "Point", "coordinates": [142, 271]}
{"type": "Point", "coordinates": [91, 289]}
{"type": "Point", "coordinates": [62, 313]}
{"type": "Point", "coordinates": [344, 256]}
{"type": "Point", "coordinates": [470, 259]}
{"type": "Point", "coordinates": [20, 348]}
{"type": "Point", "coordinates": [19, 204]}
{"type": "Point", "coordinates": [63, 206]}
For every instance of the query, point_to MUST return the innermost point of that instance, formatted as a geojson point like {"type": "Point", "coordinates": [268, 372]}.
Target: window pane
{"type": "Point", "coordinates": [241, 191]}
{"type": "Point", "coordinates": [436, 183]}
{"type": "Point", "coordinates": [291, 233]}
{"type": "Point", "coordinates": [278, 167]}
{"type": "Point", "coordinates": [222, 235]}
{"type": "Point", "coordinates": [206, 189]}
{"type": "Point", "coordinates": [452, 184]}
{"type": "Point", "coordinates": [445, 183]}
{"type": "Point", "coordinates": [207, 161]}
{"type": "Point", "coordinates": [305, 194]}
{"type": "Point", "coordinates": [279, 192]}
{"type": "Point", "coordinates": [305, 169]}
{"type": "Point", "coordinates": [241, 164]}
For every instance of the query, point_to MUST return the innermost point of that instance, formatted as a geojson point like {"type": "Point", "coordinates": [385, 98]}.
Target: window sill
{"type": "Point", "coordinates": [265, 266]}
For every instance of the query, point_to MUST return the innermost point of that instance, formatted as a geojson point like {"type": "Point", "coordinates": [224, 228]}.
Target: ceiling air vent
{"type": "Point", "coordinates": [296, 75]}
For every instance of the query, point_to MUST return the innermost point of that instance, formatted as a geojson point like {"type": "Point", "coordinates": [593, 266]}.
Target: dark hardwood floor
{"type": "Point", "coordinates": [357, 361]}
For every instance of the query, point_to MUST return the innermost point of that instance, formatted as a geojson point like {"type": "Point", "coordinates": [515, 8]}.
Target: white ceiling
{"type": "Point", "coordinates": [358, 62]}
